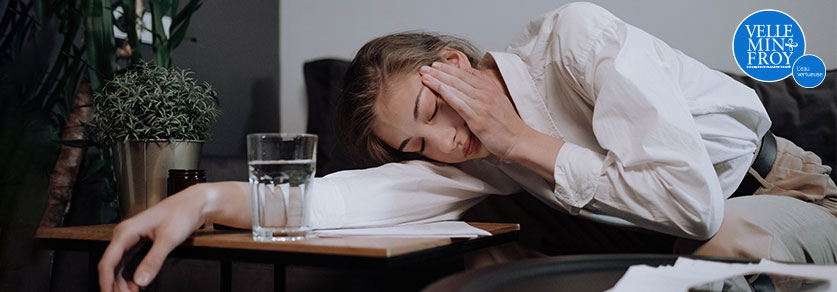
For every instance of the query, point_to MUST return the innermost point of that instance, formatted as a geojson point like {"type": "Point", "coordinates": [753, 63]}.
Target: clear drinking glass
{"type": "Point", "coordinates": [282, 170]}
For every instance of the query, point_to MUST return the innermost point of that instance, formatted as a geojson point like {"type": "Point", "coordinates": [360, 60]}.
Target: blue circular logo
{"type": "Point", "coordinates": [809, 71]}
{"type": "Point", "coordinates": [766, 44]}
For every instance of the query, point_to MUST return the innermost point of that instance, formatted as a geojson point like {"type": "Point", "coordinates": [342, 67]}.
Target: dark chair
{"type": "Point", "coordinates": [322, 83]}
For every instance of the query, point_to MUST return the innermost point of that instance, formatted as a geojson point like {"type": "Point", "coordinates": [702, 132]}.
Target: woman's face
{"type": "Point", "coordinates": [411, 117]}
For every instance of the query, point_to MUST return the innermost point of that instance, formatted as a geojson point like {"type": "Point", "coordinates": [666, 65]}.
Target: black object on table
{"type": "Point", "coordinates": [577, 273]}
{"type": "Point", "coordinates": [180, 179]}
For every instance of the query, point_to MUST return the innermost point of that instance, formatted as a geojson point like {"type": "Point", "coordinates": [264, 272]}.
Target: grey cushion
{"type": "Point", "coordinates": [806, 116]}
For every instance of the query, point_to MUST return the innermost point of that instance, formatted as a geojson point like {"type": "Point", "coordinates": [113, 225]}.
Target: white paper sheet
{"type": "Point", "coordinates": [688, 273]}
{"type": "Point", "coordinates": [445, 229]}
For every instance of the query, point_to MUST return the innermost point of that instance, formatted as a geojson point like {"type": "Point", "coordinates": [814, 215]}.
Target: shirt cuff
{"type": "Point", "coordinates": [326, 209]}
{"type": "Point", "coordinates": [576, 171]}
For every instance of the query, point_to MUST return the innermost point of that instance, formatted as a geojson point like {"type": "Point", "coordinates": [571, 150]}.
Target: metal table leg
{"type": "Point", "coordinates": [226, 276]}
{"type": "Point", "coordinates": [93, 257]}
{"type": "Point", "coordinates": [279, 277]}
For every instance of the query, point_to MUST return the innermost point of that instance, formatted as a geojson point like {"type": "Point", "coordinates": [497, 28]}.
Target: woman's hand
{"type": "Point", "coordinates": [167, 224]}
{"type": "Point", "coordinates": [481, 101]}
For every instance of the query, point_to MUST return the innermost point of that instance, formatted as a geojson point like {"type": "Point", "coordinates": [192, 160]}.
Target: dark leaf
{"type": "Point", "coordinates": [186, 12]}
{"type": "Point", "coordinates": [92, 168]}
{"type": "Point", "coordinates": [162, 55]}
{"type": "Point", "coordinates": [74, 143]}
{"type": "Point", "coordinates": [129, 15]}
{"type": "Point", "coordinates": [178, 35]}
{"type": "Point", "coordinates": [175, 4]}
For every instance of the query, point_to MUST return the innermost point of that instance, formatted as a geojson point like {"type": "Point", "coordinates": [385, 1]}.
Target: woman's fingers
{"type": "Point", "coordinates": [468, 76]}
{"type": "Point", "coordinates": [122, 242]}
{"type": "Point", "coordinates": [153, 261]}
{"type": "Point", "coordinates": [124, 285]}
{"type": "Point", "coordinates": [116, 266]}
{"type": "Point", "coordinates": [455, 98]}
{"type": "Point", "coordinates": [481, 101]}
{"type": "Point", "coordinates": [449, 79]}
{"type": "Point", "coordinates": [166, 225]}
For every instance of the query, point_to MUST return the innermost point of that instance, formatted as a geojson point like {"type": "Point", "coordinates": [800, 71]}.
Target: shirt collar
{"type": "Point", "coordinates": [530, 105]}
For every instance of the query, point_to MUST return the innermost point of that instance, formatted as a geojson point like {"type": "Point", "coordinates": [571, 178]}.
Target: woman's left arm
{"type": "Point", "coordinates": [490, 115]}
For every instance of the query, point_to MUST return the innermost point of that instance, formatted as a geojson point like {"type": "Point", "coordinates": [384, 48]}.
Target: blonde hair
{"type": "Point", "coordinates": [376, 62]}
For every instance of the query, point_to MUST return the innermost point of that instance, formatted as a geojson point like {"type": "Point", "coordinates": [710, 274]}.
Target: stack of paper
{"type": "Point", "coordinates": [702, 275]}
{"type": "Point", "coordinates": [446, 229]}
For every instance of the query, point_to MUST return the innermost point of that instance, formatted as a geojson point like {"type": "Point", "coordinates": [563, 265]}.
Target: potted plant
{"type": "Point", "coordinates": [155, 119]}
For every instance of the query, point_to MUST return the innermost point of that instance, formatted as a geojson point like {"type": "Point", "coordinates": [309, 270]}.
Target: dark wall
{"type": "Point", "coordinates": [237, 51]}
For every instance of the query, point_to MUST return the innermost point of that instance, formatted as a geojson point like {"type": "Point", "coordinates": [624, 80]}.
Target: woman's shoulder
{"type": "Point", "coordinates": [580, 11]}
{"type": "Point", "coordinates": [566, 34]}
{"type": "Point", "coordinates": [575, 17]}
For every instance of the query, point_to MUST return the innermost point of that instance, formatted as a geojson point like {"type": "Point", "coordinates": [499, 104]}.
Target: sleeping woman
{"type": "Point", "coordinates": [590, 115]}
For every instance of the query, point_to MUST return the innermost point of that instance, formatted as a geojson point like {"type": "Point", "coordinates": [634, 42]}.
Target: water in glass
{"type": "Point", "coordinates": [280, 191]}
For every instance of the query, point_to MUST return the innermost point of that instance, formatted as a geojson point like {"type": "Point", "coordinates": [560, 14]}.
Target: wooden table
{"type": "Point", "coordinates": [396, 258]}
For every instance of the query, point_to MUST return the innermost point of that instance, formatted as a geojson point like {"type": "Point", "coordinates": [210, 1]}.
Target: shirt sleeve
{"type": "Point", "coordinates": [412, 191]}
{"type": "Point", "coordinates": [656, 172]}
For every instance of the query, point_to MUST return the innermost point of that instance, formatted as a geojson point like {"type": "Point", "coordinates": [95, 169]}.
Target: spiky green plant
{"type": "Point", "coordinates": [149, 102]}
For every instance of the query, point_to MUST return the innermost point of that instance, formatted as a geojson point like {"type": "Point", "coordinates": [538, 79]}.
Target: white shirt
{"type": "Point", "coordinates": [654, 138]}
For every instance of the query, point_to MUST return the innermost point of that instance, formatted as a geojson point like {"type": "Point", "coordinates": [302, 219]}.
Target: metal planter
{"type": "Point", "coordinates": [142, 170]}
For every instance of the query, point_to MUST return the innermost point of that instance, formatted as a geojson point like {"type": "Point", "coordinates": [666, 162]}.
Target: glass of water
{"type": "Point", "coordinates": [281, 174]}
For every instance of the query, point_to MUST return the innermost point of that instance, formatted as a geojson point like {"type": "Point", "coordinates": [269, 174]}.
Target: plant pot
{"type": "Point", "coordinates": [142, 170]}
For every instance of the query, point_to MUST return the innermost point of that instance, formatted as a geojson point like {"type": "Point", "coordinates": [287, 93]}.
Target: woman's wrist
{"type": "Point", "coordinates": [205, 197]}
{"type": "Point", "coordinates": [527, 141]}
{"type": "Point", "coordinates": [537, 151]}
{"type": "Point", "coordinates": [226, 203]}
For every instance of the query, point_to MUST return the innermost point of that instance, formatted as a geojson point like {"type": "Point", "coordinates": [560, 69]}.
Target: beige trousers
{"type": "Point", "coordinates": [791, 218]}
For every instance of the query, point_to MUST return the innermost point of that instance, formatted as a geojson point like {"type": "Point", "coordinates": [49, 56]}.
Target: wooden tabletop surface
{"type": "Point", "coordinates": [243, 240]}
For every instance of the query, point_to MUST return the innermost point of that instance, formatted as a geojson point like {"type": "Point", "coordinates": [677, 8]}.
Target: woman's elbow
{"type": "Point", "coordinates": [706, 218]}
{"type": "Point", "coordinates": [698, 201]}
{"type": "Point", "coordinates": [706, 228]}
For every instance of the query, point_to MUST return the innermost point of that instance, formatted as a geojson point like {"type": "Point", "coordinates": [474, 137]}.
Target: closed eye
{"type": "Point", "coordinates": [436, 109]}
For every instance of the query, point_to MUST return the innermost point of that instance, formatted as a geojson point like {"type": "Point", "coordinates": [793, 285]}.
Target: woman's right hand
{"type": "Point", "coordinates": [167, 224]}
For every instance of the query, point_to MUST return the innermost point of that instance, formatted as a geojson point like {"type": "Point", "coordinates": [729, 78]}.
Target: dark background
{"type": "Point", "coordinates": [237, 52]}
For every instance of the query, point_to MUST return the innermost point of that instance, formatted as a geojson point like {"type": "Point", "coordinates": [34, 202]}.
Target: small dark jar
{"type": "Point", "coordinates": [180, 179]}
